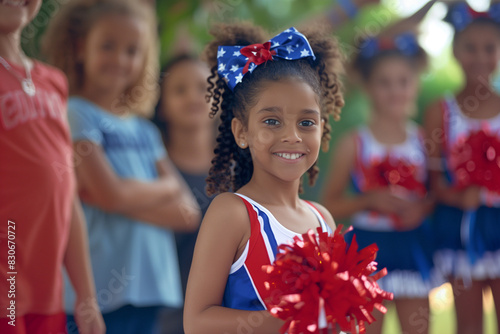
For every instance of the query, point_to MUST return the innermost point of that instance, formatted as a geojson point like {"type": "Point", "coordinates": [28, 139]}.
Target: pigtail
{"type": "Point", "coordinates": [220, 178]}
{"type": "Point", "coordinates": [242, 169]}
{"type": "Point", "coordinates": [210, 89]}
{"type": "Point", "coordinates": [329, 66]}
{"type": "Point", "coordinates": [232, 166]}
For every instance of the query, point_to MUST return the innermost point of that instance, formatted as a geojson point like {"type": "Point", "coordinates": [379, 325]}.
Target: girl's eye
{"type": "Point", "coordinates": [271, 121]}
{"type": "Point", "coordinates": [306, 123]}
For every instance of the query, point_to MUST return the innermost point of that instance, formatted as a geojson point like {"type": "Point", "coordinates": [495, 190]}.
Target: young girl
{"type": "Point", "coordinates": [386, 164]}
{"type": "Point", "coordinates": [42, 227]}
{"type": "Point", "coordinates": [467, 219]}
{"type": "Point", "coordinates": [274, 118]}
{"type": "Point", "coordinates": [189, 137]}
{"type": "Point", "coordinates": [131, 192]}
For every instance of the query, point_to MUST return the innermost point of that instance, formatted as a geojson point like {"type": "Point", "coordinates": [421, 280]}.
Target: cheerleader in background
{"type": "Point", "coordinates": [463, 131]}
{"type": "Point", "coordinates": [386, 163]}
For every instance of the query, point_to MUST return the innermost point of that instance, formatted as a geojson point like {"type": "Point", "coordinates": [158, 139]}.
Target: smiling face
{"type": "Point", "coordinates": [477, 49]}
{"type": "Point", "coordinates": [16, 14]}
{"type": "Point", "coordinates": [283, 130]}
{"type": "Point", "coordinates": [393, 87]}
{"type": "Point", "coordinates": [113, 53]}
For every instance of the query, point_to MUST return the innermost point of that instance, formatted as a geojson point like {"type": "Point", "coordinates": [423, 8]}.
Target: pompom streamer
{"type": "Point", "coordinates": [322, 272]}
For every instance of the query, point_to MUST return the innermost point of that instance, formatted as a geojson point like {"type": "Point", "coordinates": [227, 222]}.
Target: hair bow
{"type": "Point", "coordinates": [461, 15]}
{"type": "Point", "coordinates": [234, 62]}
{"type": "Point", "coordinates": [405, 43]}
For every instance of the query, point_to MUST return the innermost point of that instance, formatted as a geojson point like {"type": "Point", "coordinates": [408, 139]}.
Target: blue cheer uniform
{"type": "Point", "coordinates": [245, 288]}
{"type": "Point", "coordinates": [407, 254]}
{"type": "Point", "coordinates": [468, 241]}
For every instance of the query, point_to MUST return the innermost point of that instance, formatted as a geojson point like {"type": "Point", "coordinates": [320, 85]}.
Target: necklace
{"type": "Point", "coordinates": [27, 84]}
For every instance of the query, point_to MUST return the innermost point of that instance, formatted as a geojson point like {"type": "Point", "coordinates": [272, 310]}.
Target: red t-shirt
{"type": "Point", "coordinates": [36, 190]}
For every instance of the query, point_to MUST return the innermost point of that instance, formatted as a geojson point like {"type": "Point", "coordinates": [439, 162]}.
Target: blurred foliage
{"type": "Point", "coordinates": [184, 26]}
{"type": "Point", "coordinates": [195, 17]}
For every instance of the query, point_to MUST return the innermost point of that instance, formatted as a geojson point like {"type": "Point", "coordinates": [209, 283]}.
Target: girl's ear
{"type": "Point", "coordinates": [239, 133]}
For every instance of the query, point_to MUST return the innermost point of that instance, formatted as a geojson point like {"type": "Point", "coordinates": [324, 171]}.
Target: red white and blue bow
{"type": "Point", "coordinates": [461, 15]}
{"type": "Point", "coordinates": [234, 62]}
{"type": "Point", "coordinates": [405, 43]}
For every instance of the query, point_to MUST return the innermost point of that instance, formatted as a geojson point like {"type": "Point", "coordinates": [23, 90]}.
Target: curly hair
{"type": "Point", "coordinates": [365, 66]}
{"type": "Point", "coordinates": [232, 165]}
{"type": "Point", "coordinates": [71, 25]}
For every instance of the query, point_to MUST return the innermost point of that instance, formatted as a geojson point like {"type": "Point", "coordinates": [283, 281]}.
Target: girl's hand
{"type": "Point", "coordinates": [470, 198]}
{"type": "Point", "coordinates": [385, 202]}
{"type": "Point", "coordinates": [88, 317]}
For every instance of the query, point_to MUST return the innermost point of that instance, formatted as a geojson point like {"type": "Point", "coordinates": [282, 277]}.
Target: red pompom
{"type": "Point", "coordinates": [476, 161]}
{"type": "Point", "coordinates": [321, 271]}
{"type": "Point", "coordinates": [394, 173]}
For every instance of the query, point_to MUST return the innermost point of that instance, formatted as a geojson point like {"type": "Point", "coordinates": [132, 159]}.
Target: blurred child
{"type": "Point", "coordinates": [463, 133]}
{"type": "Point", "coordinates": [189, 136]}
{"type": "Point", "coordinates": [132, 194]}
{"type": "Point", "coordinates": [42, 225]}
{"type": "Point", "coordinates": [385, 162]}
{"type": "Point", "coordinates": [274, 118]}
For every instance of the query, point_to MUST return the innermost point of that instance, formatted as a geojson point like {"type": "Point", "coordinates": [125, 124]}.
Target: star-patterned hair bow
{"type": "Point", "coordinates": [405, 43]}
{"type": "Point", "coordinates": [461, 15]}
{"type": "Point", "coordinates": [234, 62]}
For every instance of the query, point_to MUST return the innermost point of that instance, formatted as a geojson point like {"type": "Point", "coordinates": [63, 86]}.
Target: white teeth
{"type": "Point", "coordinates": [289, 156]}
{"type": "Point", "coordinates": [13, 3]}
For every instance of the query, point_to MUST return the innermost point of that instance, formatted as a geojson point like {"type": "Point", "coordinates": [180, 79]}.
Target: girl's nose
{"type": "Point", "coordinates": [120, 57]}
{"type": "Point", "coordinates": [291, 135]}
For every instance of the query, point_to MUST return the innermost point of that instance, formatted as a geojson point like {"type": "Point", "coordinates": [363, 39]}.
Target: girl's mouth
{"type": "Point", "coordinates": [289, 156]}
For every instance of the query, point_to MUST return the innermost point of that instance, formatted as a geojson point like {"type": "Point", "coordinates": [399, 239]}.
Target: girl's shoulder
{"type": "Point", "coordinates": [50, 75]}
{"type": "Point", "coordinates": [226, 217]}
{"type": "Point", "coordinates": [228, 208]}
{"type": "Point", "coordinates": [327, 216]}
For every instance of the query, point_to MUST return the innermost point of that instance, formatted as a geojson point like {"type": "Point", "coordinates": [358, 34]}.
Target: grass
{"type": "Point", "coordinates": [442, 320]}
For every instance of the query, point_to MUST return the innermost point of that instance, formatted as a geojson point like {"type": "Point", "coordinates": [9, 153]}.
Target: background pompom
{"type": "Point", "coordinates": [476, 161]}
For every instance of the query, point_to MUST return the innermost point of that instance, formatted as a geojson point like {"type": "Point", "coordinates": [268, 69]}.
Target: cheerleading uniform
{"type": "Point", "coordinates": [407, 255]}
{"type": "Point", "coordinates": [245, 289]}
{"type": "Point", "coordinates": [468, 241]}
